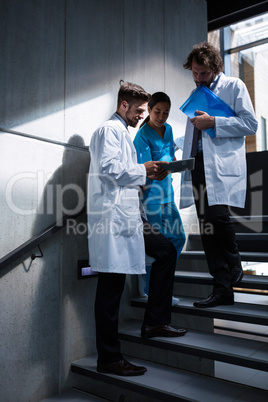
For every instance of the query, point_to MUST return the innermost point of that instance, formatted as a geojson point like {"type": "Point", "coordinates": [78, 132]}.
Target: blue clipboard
{"type": "Point", "coordinates": [204, 99]}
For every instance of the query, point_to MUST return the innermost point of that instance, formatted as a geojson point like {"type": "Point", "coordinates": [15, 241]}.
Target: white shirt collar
{"type": "Point", "coordinates": [214, 82]}
{"type": "Point", "coordinates": [121, 119]}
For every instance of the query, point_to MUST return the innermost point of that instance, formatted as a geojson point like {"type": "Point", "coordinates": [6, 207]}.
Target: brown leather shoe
{"type": "Point", "coordinates": [161, 330]}
{"type": "Point", "coordinates": [122, 367]}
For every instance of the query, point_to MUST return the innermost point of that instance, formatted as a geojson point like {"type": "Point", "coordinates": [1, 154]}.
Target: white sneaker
{"type": "Point", "coordinates": [175, 301]}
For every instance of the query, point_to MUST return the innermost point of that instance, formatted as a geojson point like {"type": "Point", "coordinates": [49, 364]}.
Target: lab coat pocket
{"type": "Point", "coordinates": [228, 164]}
{"type": "Point", "coordinates": [126, 220]}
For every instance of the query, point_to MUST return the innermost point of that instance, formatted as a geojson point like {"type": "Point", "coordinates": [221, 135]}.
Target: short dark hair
{"type": "Point", "coordinates": [207, 55]}
{"type": "Point", "coordinates": [131, 93]}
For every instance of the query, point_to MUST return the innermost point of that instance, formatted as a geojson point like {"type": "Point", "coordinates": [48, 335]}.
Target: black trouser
{"type": "Point", "coordinates": [110, 288]}
{"type": "Point", "coordinates": [217, 233]}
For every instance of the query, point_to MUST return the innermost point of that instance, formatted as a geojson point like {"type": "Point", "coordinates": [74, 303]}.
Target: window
{"type": "Point", "coordinates": [244, 48]}
{"type": "Point", "coordinates": [263, 134]}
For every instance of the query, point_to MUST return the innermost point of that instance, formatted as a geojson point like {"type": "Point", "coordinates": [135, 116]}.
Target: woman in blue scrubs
{"type": "Point", "coordinates": [154, 142]}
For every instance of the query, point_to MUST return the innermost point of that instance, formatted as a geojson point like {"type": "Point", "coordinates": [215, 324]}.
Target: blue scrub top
{"type": "Point", "coordinates": [151, 147]}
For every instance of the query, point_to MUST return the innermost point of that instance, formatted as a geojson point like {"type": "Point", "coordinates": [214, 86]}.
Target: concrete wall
{"type": "Point", "coordinates": [61, 63]}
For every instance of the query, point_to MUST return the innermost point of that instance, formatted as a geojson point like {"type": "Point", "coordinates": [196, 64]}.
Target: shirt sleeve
{"type": "Point", "coordinates": [143, 149]}
{"type": "Point", "coordinates": [114, 163]}
{"type": "Point", "coordinates": [244, 123]}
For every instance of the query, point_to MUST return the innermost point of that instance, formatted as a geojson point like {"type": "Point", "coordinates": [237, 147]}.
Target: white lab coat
{"type": "Point", "coordinates": [224, 155]}
{"type": "Point", "coordinates": [115, 235]}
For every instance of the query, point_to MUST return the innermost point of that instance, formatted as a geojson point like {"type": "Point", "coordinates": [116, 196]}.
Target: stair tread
{"type": "Point", "coordinates": [75, 396]}
{"type": "Point", "coordinates": [242, 312]}
{"type": "Point", "coordinates": [228, 349]}
{"type": "Point", "coordinates": [255, 256]}
{"type": "Point", "coordinates": [247, 242]}
{"type": "Point", "coordinates": [249, 281]}
{"type": "Point", "coordinates": [250, 223]}
{"type": "Point", "coordinates": [253, 218]}
{"type": "Point", "coordinates": [170, 384]}
{"type": "Point", "coordinates": [244, 236]}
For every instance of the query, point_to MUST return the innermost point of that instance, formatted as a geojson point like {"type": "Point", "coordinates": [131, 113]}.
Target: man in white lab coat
{"type": "Point", "coordinates": [219, 178]}
{"type": "Point", "coordinates": [119, 236]}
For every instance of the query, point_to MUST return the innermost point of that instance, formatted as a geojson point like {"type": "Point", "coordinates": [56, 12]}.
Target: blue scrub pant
{"type": "Point", "coordinates": [166, 219]}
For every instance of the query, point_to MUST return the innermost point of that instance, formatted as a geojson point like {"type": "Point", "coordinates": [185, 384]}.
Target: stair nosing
{"type": "Point", "coordinates": [178, 345]}
{"type": "Point", "coordinates": [255, 256]}
{"type": "Point", "coordinates": [204, 278]}
{"type": "Point", "coordinates": [238, 235]}
{"type": "Point", "coordinates": [148, 389]}
{"type": "Point", "coordinates": [125, 382]}
{"type": "Point", "coordinates": [221, 312]}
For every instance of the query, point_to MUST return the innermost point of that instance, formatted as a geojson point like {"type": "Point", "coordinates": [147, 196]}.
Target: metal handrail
{"type": "Point", "coordinates": [43, 139]}
{"type": "Point", "coordinates": [35, 241]}
{"type": "Point", "coordinates": [53, 228]}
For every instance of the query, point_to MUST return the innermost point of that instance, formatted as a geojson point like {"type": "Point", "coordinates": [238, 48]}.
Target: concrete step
{"type": "Point", "coordinates": [204, 278]}
{"type": "Point", "coordinates": [74, 395]}
{"type": "Point", "coordinates": [253, 242]}
{"type": "Point", "coordinates": [168, 384]}
{"type": "Point", "coordinates": [241, 312]}
{"type": "Point", "coordinates": [245, 256]}
{"type": "Point", "coordinates": [250, 223]}
{"type": "Point", "coordinates": [229, 349]}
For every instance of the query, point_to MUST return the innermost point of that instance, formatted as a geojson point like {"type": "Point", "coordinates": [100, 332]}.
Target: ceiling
{"type": "Point", "coordinates": [223, 13]}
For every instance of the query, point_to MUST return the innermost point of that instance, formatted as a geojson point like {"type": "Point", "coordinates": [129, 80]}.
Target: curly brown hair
{"type": "Point", "coordinates": [207, 55]}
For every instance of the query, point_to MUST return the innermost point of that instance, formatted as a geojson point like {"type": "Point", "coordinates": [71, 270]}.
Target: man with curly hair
{"type": "Point", "coordinates": [219, 178]}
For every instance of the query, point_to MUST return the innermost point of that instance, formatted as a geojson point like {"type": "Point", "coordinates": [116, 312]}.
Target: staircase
{"type": "Point", "coordinates": [224, 355]}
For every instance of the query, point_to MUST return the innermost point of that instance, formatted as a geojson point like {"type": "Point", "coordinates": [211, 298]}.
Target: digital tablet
{"type": "Point", "coordinates": [179, 166]}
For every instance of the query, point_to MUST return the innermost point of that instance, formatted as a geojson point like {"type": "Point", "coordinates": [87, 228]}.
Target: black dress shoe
{"type": "Point", "coordinates": [236, 276]}
{"type": "Point", "coordinates": [161, 330]}
{"type": "Point", "coordinates": [215, 299]}
{"type": "Point", "coordinates": [122, 367]}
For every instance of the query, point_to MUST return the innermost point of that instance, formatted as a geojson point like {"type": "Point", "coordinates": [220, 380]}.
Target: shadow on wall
{"type": "Point", "coordinates": [57, 296]}
{"type": "Point", "coordinates": [65, 192]}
